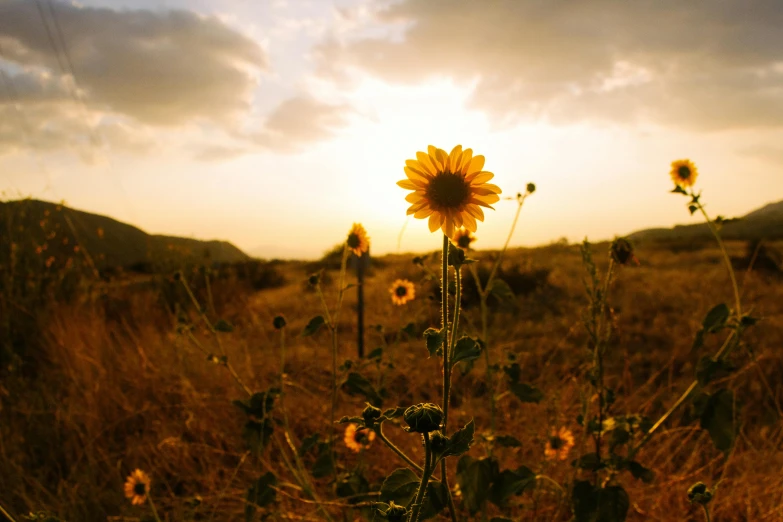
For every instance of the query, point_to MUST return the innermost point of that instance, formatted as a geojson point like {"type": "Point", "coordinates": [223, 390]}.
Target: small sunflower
{"type": "Point", "coordinates": [463, 238]}
{"type": "Point", "coordinates": [450, 189]}
{"type": "Point", "coordinates": [357, 439]}
{"type": "Point", "coordinates": [684, 173]}
{"type": "Point", "coordinates": [559, 444]}
{"type": "Point", "coordinates": [402, 291]}
{"type": "Point", "coordinates": [137, 487]}
{"type": "Point", "coordinates": [358, 241]}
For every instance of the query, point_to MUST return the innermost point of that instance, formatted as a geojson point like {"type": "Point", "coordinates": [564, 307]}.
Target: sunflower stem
{"type": "Point", "coordinates": [447, 347]}
{"type": "Point", "coordinates": [6, 514]}
{"type": "Point", "coordinates": [425, 478]}
{"type": "Point", "coordinates": [398, 451]}
{"type": "Point", "coordinates": [152, 507]}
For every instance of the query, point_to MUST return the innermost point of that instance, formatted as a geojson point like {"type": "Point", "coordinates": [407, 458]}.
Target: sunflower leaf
{"type": "Point", "coordinates": [313, 326]}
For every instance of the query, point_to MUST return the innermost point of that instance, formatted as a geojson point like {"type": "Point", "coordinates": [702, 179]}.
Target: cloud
{"type": "Point", "coordinates": [137, 72]}
{"type": "Point", "coordinates": [161, 68]}
{"type": "Point", "coordinates": [685, 64]}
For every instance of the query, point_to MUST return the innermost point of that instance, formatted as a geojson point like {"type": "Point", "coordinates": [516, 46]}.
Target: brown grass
{"type": "Point", "coordinates": [121, 390]}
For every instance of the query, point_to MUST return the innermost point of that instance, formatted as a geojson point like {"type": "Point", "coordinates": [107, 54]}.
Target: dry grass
{"type": "Point", "coordinates": [121, 390]}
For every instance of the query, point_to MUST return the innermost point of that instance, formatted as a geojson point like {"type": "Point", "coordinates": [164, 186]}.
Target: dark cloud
{"type": "Point", "coordinates": [162, 68]}
{"type": "Point", "coordinates": [715, 65]}
{"type": "Point", "coordinates": [135, 71]}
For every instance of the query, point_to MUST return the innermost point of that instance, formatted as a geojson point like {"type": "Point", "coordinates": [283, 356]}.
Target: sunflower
{"type": "Point", "coordinates": [463, 238]}
{"type": "Point", "coordinates": [358, 241]}
{"type": "Point", "coordinates": [402, 291]}
{"type": "Point", "coordinates": [559, 444]}
{"type": "Point", "coordinates": [357, 439]}
{"type": "Point", "coordinates": [684, 173]}
{"type": "Point", "coordinates": [450, 189]}
{"type": "Point", "coordinates": [137, 487]}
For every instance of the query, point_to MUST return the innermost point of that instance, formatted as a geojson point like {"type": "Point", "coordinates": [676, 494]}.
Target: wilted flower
{"type": "Point", "coordinates": [137, 487]}
{"type": "Point", "coordinates": [358, 438]}
{"type": "Point", "coordinates": [699, 493]}
{"type": "Point", "coordinates": [621, 251]}
{"type": "Point", "coordinates": [559, 444]}
{"type": "Point", "coordinates": [449, 188]}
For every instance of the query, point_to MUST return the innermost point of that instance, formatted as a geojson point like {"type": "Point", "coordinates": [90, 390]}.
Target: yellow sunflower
{"type": "Point", "coordinates": [684, 173]}
{"type": "Point", "coordinates": [559, 444]}
{"type": "Point", "coordinates": [137, 487]}
{"type": "Point", "coordinates": [358, 241]}
{"type": "Point", "coordinates": [357, 439]}
{"type": "Point", "coordinates": [463, 238]}
{"type": "Point", "coordinates": [402, 291]}
{"type": "Point", "coordinates": [450, 189]}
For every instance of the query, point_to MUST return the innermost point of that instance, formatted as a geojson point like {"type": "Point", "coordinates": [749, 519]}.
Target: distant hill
{"type": "Point", "coordinates": [764, 223]}
{"type": "Point", "coordinates": [55, 231]}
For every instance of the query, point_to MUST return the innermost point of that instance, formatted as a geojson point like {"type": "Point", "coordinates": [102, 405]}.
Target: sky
{"type": "Point", "coordinates": [276, 124]}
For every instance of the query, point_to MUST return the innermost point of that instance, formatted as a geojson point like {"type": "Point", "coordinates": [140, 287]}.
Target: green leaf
{"type": "Point", "coordinates": [475, 478]}
{"type": "Point", "coordinates": [377, 353]}
{"type": "Point", "coordinates": [679, 190]}
{"type": "Point", "coordinates": [693, 209]}
{"type": "Point", "coordinates": [584, 501]}
{"type": "Point", "coordinates": [716, 318]}
{"type": "Point", "coordinates": [259, 404]}
{"type": "Point", "coordinates": [257, 435]}
{"type": "Point", "coordinates": [393, 413]}
{"type": "Point", "coordinates": [589, 461]}
{"type": "Point", "coordinates": [526, 392]}
{"type": "Point", "coordinates": [613, 504]}
{"type": "Point", "coordinates": [409, 330]}
{"type": "Point", "coordinates": [698, 341]}
{"type": "Point", "coordinates": [511, 482]}
{"type": "Point", "coordinates": [619, 436]}
{"type": "Point", "coordinates": [748, 320]}
{"type": "Point", "coordinates": [401, 487]}
{"type": "Point", "coordinates": [323, 465]}
{"type": "Point", "coordinates": [507, 441]}
{"type": "Point", "coordinates": [513, 371]}
{"type": "Point", "coordinates": [501, 290]}
{"type": "Point", "coordinates": [260, 494]}
{"type": "Point", "coordinates": [709, 369]}
{"type": "Point", "coordinates": [356, 384]}
{"type": "Point", "coordinates": [223, 326]}
{"type": "Point", "coordinates": [309, 443]}
{"type": "Point", "coordinates": [434, 340]}
{"type": "Point", "coordinates": [717, 418]}
{"type": "Point", "coordinates": [313, 326]}
{"type": "Point", "coordinates": [460, 441]}
{"type": "Point", "coordinates": [640, 472]}
{"type": "Point", "coordinates": [466, 349]}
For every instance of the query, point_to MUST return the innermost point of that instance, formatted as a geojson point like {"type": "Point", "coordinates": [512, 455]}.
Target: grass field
{"type": "Point", "coordinates": [116, 388]}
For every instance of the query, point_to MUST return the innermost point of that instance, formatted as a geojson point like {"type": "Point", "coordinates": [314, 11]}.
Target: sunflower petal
{"type": "Point", "coordinates": [424, 161]}
{"type": "Point", "coordinates": [475, 211]}
{"type": "Point", "coordinates": [454, 157]}
{"type": "Point", "coordinates": [488, 198]}
{"type": "Point", "coordinates": [434, 222]}
{"type": "Point", "coordinates": [469, 221]}
{"type": "Point", "coordinates": [413, 197]}
{"type": "Point", "coordinates": [467, 155]}
{"type": "Point", "coordinates": [418, 168]}
{"type": "Point", "coordinates": [458, 219]}
{"type": "Point", "coordinates": [479, 177]}
{"type": "Point", "coordinates": [476, 164]}
{"type": "Point", "coordinates": [421, 214]}
{"type": "Point", "coordinates": [415, 175]}
{"type": "Point", "coordinates": [408, 184]}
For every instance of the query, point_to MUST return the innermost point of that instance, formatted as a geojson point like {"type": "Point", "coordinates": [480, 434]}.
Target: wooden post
{"type": "Point", "coordinates": [360, 266]}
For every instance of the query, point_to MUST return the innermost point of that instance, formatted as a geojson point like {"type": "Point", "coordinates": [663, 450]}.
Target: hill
{"type": "Point", "coordinates": [57, 232]}
{"type": "Point", "coordinates": [764, 223]}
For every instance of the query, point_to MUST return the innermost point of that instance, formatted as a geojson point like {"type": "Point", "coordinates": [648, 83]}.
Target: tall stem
{"type": "Point", "coordinates": [425, 478]}
{"type": "Point", "coordinates": [444, 293]}
{"type": "Point", "coordinates": [726, 259]}
{"type": "Point", "coordinates": [398, 451]}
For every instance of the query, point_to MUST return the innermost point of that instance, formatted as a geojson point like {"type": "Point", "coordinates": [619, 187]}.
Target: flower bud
{"type": "Point", "coordinates": [279, 322]}
{"type": "Point", "coordinates": [395, 513]}
{"type": "Point", "coordinates": [699, 493]}
{"type": "Point", "coordinates": [531, 187]}
{"type": "Point", "coordinates": [621, 251]}
{"type": "Point", "coordinates": [423, 418]}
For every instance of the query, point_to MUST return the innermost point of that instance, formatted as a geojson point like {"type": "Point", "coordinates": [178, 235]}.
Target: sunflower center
{"type": "Point", "coordinates": [684, 172]}
{"type": "Point", "coordinates": [401, 291]}
{"type": "Point", "coordinates": [140, 489]}
{"type": "Point", "coordinates": [448, 190]}
{"type": "Point", "coordinates": [556, 443]}
{"type": "Point", "coordinates": [463, 241]}
{"type": "Point", "coordinates": [353, 240]}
